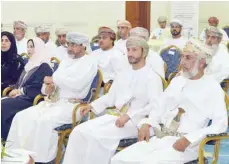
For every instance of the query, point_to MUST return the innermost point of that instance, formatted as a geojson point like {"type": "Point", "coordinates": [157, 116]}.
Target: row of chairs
{"type": "Point", "coordinates": [171, 70]}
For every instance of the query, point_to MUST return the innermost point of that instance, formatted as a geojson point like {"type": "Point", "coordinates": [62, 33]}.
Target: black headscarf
{"type": "Point", "coordinates": [11, 54]}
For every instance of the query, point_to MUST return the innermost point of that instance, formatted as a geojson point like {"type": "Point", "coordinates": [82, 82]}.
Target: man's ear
{"type": "Point", "coordinates": [220, 39]}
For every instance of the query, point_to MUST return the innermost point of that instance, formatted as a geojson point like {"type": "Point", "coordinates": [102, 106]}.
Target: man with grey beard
{"type": "Point", "coordinates": [219, 65]}
{"type": "Point", "coordinates": [180, 120]}
{"type": "Point", "coordinates": [73, 79]}
{"type": "Point", "coordinates": [19, 34]}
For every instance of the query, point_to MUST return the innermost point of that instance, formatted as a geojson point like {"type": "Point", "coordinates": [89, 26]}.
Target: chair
{"type": "Point", "coordinates": [225, 84]}
{"type": "Point", "coordinates": [201, 159]}
{"type": "Point", "coordinates": [94, 43]}
{"type": "Point", "coordinates": [165, 67]}
{"type": "Point", "coordinates": [171, 56]}
{"type": "Point", "coordinates": [216, 138]}
{"type": "Point", "coordinates": [107, 86]}
{"type": "Point", "coordinates": [171, 76]}
{"type": "Point", "coordinates": [25, 57]}
{"type": "Point", "coordinates": [226, 29]}
{"type": "Point", "coordinates": [65, 130]}
{"type": "Point", "coordinates": [127, 142]}
{"type": "Point", "coordinates": [55, 63]}
{"type": "Point", "coordinates": [227, 46]}
{"type": "Point", "coordinates": [39, 97]}
{"type": "Point", "coordinates": [36, 100]}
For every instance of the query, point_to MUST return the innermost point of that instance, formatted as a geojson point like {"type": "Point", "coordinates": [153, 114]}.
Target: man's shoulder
{"type": "Point", "coordinates": [51, 43]}
{"type": "Point", "coordinates": [116, 53]}
{"type": "Point", "coordinates": [98, 51]}
{"type": "Point", "coordinates": [88, 59]}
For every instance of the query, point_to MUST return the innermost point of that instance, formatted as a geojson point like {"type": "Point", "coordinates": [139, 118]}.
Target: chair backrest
{"type": "Point", "coordinates": [165, 67]}
{"type": "Point", "coordinates": [165, 83]}
{"type": "Point", "coordinates": [227, 100]}
{"type": "Point", "coordinates": [55, 63]}
{"type": "Point", "coordinates": [171, 56]}
{"type": "Point", "coordinates": [107, 86]}
{"type": "Point", "coordinates": [226, 29]}
{"type": "Point", "coordinates": [94, 46]}
{"type": "Point", "coordinates": [25, 57]}
{"type": "Point", "coordinates": [93, 93]}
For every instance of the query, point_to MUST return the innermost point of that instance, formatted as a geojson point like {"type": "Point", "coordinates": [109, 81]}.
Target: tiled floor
{"type": "Point", "coordinates": [224, 151]}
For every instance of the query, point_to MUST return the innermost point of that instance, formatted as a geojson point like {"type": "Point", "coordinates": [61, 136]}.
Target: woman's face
{"type": "Point", "coordinates": [5, 43]}
{"type": "Point", "coordinates": [30, 48]}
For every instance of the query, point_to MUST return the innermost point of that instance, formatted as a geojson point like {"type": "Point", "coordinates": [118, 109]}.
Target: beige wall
{"type": "Point", "coordinates": [87, 16]}
{"type": "Point", "coordinates": [206, 9]}
{"type": "Point", "coordinates": [81, 16]}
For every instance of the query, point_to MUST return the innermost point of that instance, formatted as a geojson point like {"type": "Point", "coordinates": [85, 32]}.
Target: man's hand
{"type": "Point", "coordinates": [14, 93]}
{"type": "Point", "coordinates": [181, 144]}
{"type": "Point", "coordinates": [120, 122]}
{"type": "Point", "coordinates": [50, 88]}
{"type": "Point", "coordinates": [48, 80]}
{"type": "Point", "coordinates": [144, 133]}
{"type": "Point", "coordinates": [85, 109]}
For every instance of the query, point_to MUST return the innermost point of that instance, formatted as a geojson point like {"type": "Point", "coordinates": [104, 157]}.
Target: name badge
{"type": "Point", "coordinates": [171, 53]}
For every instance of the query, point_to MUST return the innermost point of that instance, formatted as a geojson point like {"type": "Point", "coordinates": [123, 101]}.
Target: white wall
{"type": "Point", "coordinates": [80, 16]}
{"type": "Point", "coordinates": [206, 9]}
{"type": "Point", "coordinates": [86, 16]}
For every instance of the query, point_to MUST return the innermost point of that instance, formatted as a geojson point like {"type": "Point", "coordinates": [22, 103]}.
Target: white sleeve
{"type": "Point", "coordinates": [156, 63]}
{"type": "Point", "coordinates": [118, 62]}
{"type": "Point", "coordinates": [218, 117]}
{"type": "Point", "coordinates": [155, 89]}
{"type": "Point", "coordinates": [80, 77]}
{"type": "Point", "coordinates": [158, 110]}
{"type": "Point", "coordinates": [105, 101]}
{"type": "Point", "coordinates": [222, 74]}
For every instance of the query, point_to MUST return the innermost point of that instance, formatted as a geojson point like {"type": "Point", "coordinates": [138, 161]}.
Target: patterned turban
{"type": "Point", "coordinates": [77, 38]}
{"type": "Point", "coordinates": [162, 19]}
{"type": "Point", "coordinates": [20, 24]}
{"type": "Point", "coordinates": [176, 21]}
{"type": "Point", "coordinates": [107, 31]}
{"type": "Point", "coordinates": [124, 23]}
{"type": "Point", "coordinates": [42, 29]}
{"type": "Point", "coordinates": [140, 32]}
{"type": "Point", "coordinates": [202, 50]}
{"type": "Point", "coordinates": [61, 31]}
{"type": "Point", "coordinates": [135, 41]}
{"type": "Point", "coordinates": [213, 31]}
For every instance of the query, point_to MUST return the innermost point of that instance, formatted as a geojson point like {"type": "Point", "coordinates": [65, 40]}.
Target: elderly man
{"type": "Point", "coordinates": [135, 89]}
{"type": "Point", "coordinates": [177, 39]}
{"type": "Point", "coordinates": [213, 21]}
{"type": "Point", "coordinates": [162, 31]}
{"type": "Point", "coordinates": [43, 32]}
{"type": "Point", "coordinates": [33, 129]}
{"type": "Point", "coordinates": [110, 60]}
{"type": "Point", "coordinates": [124, 27]}
{"type": "Point", "coordinates": [219, 65]}
{"type": "Point", "coordinates": [19, 34]}
{"type": "Point", "coordinates": [180, 119]}
{"type": "Point", "coordinates": [153, 59]}
{"type": "Point", "coordinates": [61, 51]}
